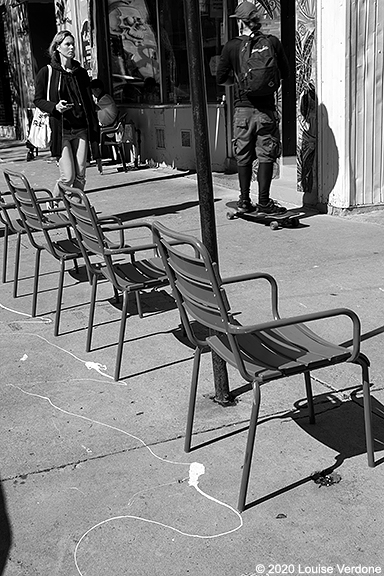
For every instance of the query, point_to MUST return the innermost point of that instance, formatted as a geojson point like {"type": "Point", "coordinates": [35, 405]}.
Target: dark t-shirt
{"type": "Point", "coordinates": [229, 68]}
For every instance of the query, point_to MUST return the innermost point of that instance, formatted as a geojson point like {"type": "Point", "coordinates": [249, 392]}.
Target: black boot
{"type": "Point", "coordinates": [264, 179]}
{"type": "Point", "coordinates": [245, 176]}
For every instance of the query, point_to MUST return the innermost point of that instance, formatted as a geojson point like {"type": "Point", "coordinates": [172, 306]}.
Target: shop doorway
{"type": "Point", "coordinates": [41, 36]}
{"type": "Point", "coordinates": [6, 112]}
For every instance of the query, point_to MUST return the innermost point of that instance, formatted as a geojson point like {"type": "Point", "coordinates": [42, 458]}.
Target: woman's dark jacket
{"type": "Point", "coordinates": [74, 87]}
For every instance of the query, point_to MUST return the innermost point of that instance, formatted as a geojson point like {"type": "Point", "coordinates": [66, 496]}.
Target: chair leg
{"type": "Point", "coordinates": [117, 295]}
{"type": "Point", "coordinates": [138, 304]}
{"type": "Point", "coordinates": [192, 400]}
{"type": "Point", "coordinates": [308, 387]}
{"type": "Point", "coordinates": [17, 266]}
{"type": "Point", "coordinates": [122, 156]}
{"type": "Point", "coordinates": [249, 446]}
{"type": "Point", "coordinates": [91, 313]}
{"type": "Point", "coordinates": [59, 299]}
{"type": "Point", "coordinates": [5, 255]}
{"type": "Point", "coordinates": [120, 345]}
{"type": "Point", "coordinates": [36, 282]}
{"type": "Point", "coordinates": [367, 412]}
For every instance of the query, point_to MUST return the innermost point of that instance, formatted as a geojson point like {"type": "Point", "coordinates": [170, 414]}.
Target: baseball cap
{"type": "Point", "coordinates": [244, 10]}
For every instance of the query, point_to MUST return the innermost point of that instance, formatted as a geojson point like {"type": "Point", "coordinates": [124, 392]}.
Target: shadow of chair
{"type": "Point", "coordinates": [117, 264]}
{"type": "Point", "coordinates": [41, 225]}
{"type": "Point", "coordinates": [261, 352]}
{"type": "Point", "coordinates": [339, 423]}
{"type": "Point", "coordinates": [112, 137]}
{"type": "Point", "coordinates": [12, 225]}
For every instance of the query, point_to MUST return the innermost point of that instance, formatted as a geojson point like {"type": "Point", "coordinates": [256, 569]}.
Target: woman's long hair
{"type": "Point", "coordinates": [57, 40]}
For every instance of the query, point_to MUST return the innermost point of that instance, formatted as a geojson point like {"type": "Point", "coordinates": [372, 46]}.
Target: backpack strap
{"type": "Point", "coordinates": [49, 79]}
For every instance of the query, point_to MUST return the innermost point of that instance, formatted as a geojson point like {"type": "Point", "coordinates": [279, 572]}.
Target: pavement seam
{"type": "Point", "coordinates": [73, 464]}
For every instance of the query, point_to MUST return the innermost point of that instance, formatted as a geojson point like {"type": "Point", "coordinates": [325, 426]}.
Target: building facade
{"type": "Point", "coordinates": [332, 106]}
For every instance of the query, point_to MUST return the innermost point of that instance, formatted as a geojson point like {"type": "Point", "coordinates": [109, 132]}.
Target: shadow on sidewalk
{"type": "Point", "coordinates": [5, 532]}
{"type": "Point", "coordinates": [339, 426]}
{"type": "Point", "coordinates": [139, 182]}
{"type": "Point", "coordinates": [366, 336]}
{"type": "Point", "coordinates": [158, 211]}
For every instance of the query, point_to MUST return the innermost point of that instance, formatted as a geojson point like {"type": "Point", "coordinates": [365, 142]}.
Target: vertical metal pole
{"type": "Point", "coordinates": [203, 162]}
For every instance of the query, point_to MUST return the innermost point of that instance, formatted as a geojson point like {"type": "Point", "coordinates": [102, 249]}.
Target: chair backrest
{"type": "Point", "coordinates": [35, 219]}
{"type": "Point", "coordinates": [84, 221]}
{"type": "Point", "coordinates": [7, 206]}
{"type": "Point", "coordinates": [24, 199]}
{"type": "Point", "coordinates": [26, 203]}
{"type": "Point", "coordinates": [195, 281]}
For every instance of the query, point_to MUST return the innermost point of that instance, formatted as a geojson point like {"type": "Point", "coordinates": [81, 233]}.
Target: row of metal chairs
{"type": "Point", "coordinates": [85, 237]}
{"type": "Point", "coordinates": [261, 352]}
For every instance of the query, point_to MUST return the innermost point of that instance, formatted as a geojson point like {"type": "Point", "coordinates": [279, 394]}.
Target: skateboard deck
{"type": "Point", "coordinates": [289, 219]}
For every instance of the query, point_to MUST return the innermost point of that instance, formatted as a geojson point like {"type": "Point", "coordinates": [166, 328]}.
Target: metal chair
{"type": "Point", "coordinates": [111, 137]}
{"type": "Point", "coordinates": [261, 352]}
{"type": "Point", "coordinates": [128, 275]}
{"type": "Point", "coordinates": [39, 222]}
{"type": "Point", "coordinates": [12, 225]}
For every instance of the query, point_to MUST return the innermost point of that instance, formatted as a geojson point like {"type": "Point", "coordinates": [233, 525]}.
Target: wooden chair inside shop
{"type": "Point", "coordinates": [41, 222]}
{"type": "Point", "coordinates": [261, 352]}
{"type": "Point", "coordinates": [120, 265]}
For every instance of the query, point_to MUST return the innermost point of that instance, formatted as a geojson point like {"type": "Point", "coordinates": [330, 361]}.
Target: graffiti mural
{"type": "Point", "coordinates": [134, 51]}
{"type": "Point", "coordinates": [306, 96]}
{"type": "Point", "coordinates": [21, 67]}
{"type": "Point", "coordinates": [306, 100]}
{"type": "Point", "coordinates": [269, 13]}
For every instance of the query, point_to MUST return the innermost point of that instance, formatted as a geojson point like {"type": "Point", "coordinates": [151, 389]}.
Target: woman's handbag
{"type": "Point", "coordinates": [40, 133]}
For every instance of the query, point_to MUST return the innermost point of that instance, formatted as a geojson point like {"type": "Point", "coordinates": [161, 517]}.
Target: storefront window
{"type": "Point", "coordinates": [134, 49]}
{"type": "Point", "coordinates": [148, 47]}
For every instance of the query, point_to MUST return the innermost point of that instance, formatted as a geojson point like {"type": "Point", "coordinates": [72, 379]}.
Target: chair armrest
{"type": "Point", "coordinates": [7, 205]}
{"type": "Point", "coordinates": [46, 191]}
{"type": "Point", "coordinates": [256, 276]}
{"type": "Point", "coordinates": [129, 249]}
{"type": "Point", "coordinates": [238, 329]}
{"type": "Point", "coordinates": [130, 226]}
{"type": "Point", "coordinates": [6, 200]}
{"type": "Point", "coordinates": [107, 219]}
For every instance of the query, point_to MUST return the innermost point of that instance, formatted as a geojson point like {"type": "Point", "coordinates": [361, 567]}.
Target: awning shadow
{"type": "Point", "coordinates": [139, 182]}
{"type": "Point", "coordinates": [155, 211]}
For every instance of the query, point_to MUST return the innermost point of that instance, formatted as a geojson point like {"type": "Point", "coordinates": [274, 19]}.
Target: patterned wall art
{"type": "Point", "coordinates": [306, 100]}
{"type": "Point", "coordinates": [20, 64]}
{"type": "Point", "coordinates": [307, 105]}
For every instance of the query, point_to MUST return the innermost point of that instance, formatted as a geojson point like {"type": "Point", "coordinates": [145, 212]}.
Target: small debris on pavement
{"type": "Point", "coordinates": [324, 479]}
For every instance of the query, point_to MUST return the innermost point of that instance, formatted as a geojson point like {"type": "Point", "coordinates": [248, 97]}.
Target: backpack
{"type": "Point", "coordinates": [259, 71]}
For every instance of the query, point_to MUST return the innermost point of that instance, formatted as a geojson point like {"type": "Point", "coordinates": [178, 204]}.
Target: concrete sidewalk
{"type": "Point", "coordinates": [93, 472]}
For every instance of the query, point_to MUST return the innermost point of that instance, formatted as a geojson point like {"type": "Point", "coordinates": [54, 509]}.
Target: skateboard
{"type": "Point", "coordinates": [289, 219]}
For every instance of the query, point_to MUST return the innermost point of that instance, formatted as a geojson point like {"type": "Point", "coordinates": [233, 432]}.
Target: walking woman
{"type": "Point", "coordinates": [72, 112]}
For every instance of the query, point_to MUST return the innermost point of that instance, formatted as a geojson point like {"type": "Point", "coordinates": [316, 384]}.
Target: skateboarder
{"type": "Point", "coordinates": [255, 123]}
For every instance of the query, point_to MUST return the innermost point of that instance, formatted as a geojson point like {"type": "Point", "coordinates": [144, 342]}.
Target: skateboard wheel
{"type": "Point", "coordinates": [231, 215]}
{"type": "Point", "coordinates": [274, 225]}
